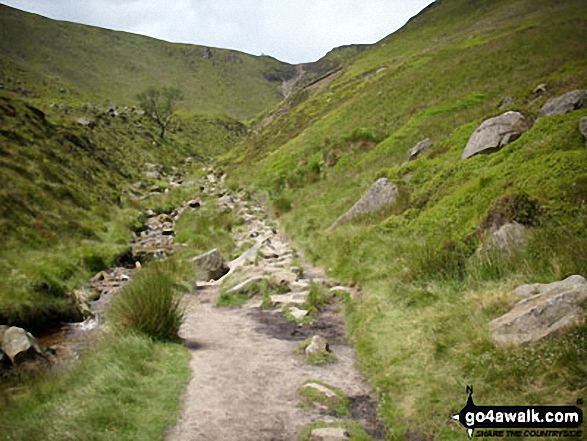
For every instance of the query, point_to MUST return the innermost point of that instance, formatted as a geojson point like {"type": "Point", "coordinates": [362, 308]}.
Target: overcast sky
{"type": "Point", "coordinates": [290, 30]}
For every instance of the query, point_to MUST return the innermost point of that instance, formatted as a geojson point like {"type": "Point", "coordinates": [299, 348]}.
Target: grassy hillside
{"type": "Point", "coordinates": [107, 65]}
{"type": "Point", "coordinates": [65, 204]}
{"type": "Point", "coordinates": [421, 326]}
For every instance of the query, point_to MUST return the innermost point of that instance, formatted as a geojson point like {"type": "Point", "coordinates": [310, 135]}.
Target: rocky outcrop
{"type": "Point", "coordinates": [211, 265]}
{"type": "Point", "coordinates": [547, 309]}
{"type": "Point", "coordinates": [381, 195]}
{"type": "Point", "coordinates": [419, 149]}
{"type": "Point", "coordinates": [20, 346]}
{"type": "Point", "coordinates": [576, 99]}
{"type": "Point", "coordinates": [495, 133]}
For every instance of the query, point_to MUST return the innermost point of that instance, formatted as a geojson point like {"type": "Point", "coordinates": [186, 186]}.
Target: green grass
{"type": "Point", "coordinates": [337, 405]}
{"type": "Point", "coordinates": [79, 58]}
{"type": "Point", "coordinates": [124, 389]}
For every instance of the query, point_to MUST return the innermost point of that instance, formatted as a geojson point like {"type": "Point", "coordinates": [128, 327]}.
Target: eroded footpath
{"type": "Point", "coordinates": [246, 371]}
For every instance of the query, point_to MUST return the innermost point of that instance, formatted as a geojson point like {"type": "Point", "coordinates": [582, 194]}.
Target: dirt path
{"type": "Point", "coordinates": [246, 373]}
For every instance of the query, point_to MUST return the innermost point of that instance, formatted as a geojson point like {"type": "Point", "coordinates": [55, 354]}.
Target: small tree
{"type": "Point", "coordinates": [160, 105]}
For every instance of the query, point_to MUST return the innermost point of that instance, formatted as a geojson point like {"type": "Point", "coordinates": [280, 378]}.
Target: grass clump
{"type": "Point", "coordinates": [317, 298]}
{"type": "Point", "coordinates": [332, 400]}
{"type": "Point", "coordinates": [150, 304]}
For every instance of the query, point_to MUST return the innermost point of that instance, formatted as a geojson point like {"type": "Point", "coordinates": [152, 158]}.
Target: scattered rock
{"type": "Point", "coordinates": [382, 194]}
{"type": "Point", "coordinates": [212, 265]}
{"type": "Point", "coordinates": [19, 345]}
{"type": "Point", "coordinates": [318, 345]}
{"type": "Point", "coordinates": [583, 127]}
{"type": "Point", "coordinates": [243, 288]}
{"type": "Point", "coordinates": [539, 90]}
{"type": "Point", "coordinates": [330, 434]}
{"type": "Point", "coordinates": [297, 298]}
{"type": "Point", "coordinates": [297, 313]}
{"type": "Point", "coordinates": [495, 133]}
{"type": "Point", "coordinates": [323, 390]}
{"type": "Point", "coordinates": [506, 102]}
{"type": "Point", "coordinates": [420, 148]}
{"type": "Point", "coordinates": [86, 122]}
{"type": "Point", "coordinates": [566, 103]}
{"type": "Point", "coordinates": [509, 238]}
{"type": "Point", "coordinates": [553, 307]}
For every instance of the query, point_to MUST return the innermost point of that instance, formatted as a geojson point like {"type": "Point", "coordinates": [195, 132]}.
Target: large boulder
{"type": "Point", "coordinates": [212, 265]}
{"type": "Point", "coordinates": [419, 149]}
{"type": "Point", "coordinates": [566, 103]}
{"type": "Point", "coordinates": [547, 309]}
{"type": "Point", "coordinates": [382, 194]}
{"type": "Point", "coordinates": [508, 238]}
{"type": "Point", "coordinates": [19, 345]}
{"type": "Point", "coordinates": [495, 133]}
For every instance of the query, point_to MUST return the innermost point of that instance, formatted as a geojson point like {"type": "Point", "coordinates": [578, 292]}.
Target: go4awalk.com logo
{"type": "Point", "coordinates": [520, 421]}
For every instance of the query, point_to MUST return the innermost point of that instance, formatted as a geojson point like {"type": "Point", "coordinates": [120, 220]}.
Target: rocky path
{"type": "Point", "coordinates": [247, 375]}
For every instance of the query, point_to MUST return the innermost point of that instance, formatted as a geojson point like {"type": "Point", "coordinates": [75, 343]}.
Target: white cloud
{"type": "Point", "coordinates": [291, 30]}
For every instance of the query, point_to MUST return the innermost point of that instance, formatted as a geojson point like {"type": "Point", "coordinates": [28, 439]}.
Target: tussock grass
{"type": "Point", "coordinates": [150, 304]}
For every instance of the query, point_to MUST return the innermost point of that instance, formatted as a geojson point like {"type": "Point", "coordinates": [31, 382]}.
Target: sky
{"type": "Point", "coordinates": [294, 31]}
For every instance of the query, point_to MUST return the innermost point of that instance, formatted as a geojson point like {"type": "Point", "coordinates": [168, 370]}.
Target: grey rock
{"type": "Point", "coordinates": [539, 90]}
{"type": "Point", "coordinates": [495, 133]}
{"type": "Point", "coordinates": [212, 265]}
{"type": "Point", "coordinates": [576, 99]}
{"type": "Point", "coordinates": [508, 238]}
{"type": "Point", "coordinates": [322, 390]}
{"type": "Point", "coordinates": [153, 174]}
{"type": "Point", "coordinates": [317, 345]}
{"type": "Point", "coordinates": [382, 194]}
{"type": "Point", "coordinates": [86, 122]}
{"type": "Point", "coordinates": [583, 127]}
{"type": "Point", "coordinates": [330, 434]}
{"type": "Point", "coordinates": [243, 287]}
{"type": "Point", "coordinates": [506, 102]}
{"type": "Point", "coordinates": [20, 345]}
{"type": "Point", "coordinates": [3, 329]}
{"type": "Point", "coordinates": [554, 307]}
{"type": "Point", "coordinates": [294, 298]}
{"type": "Point", "coordinates": [420, 148]}
{"type": "Point", "coordinates": [297, 313]}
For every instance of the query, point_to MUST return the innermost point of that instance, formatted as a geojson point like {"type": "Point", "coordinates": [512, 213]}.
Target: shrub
{"type": "Point", "coordinates": [150, 304]}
